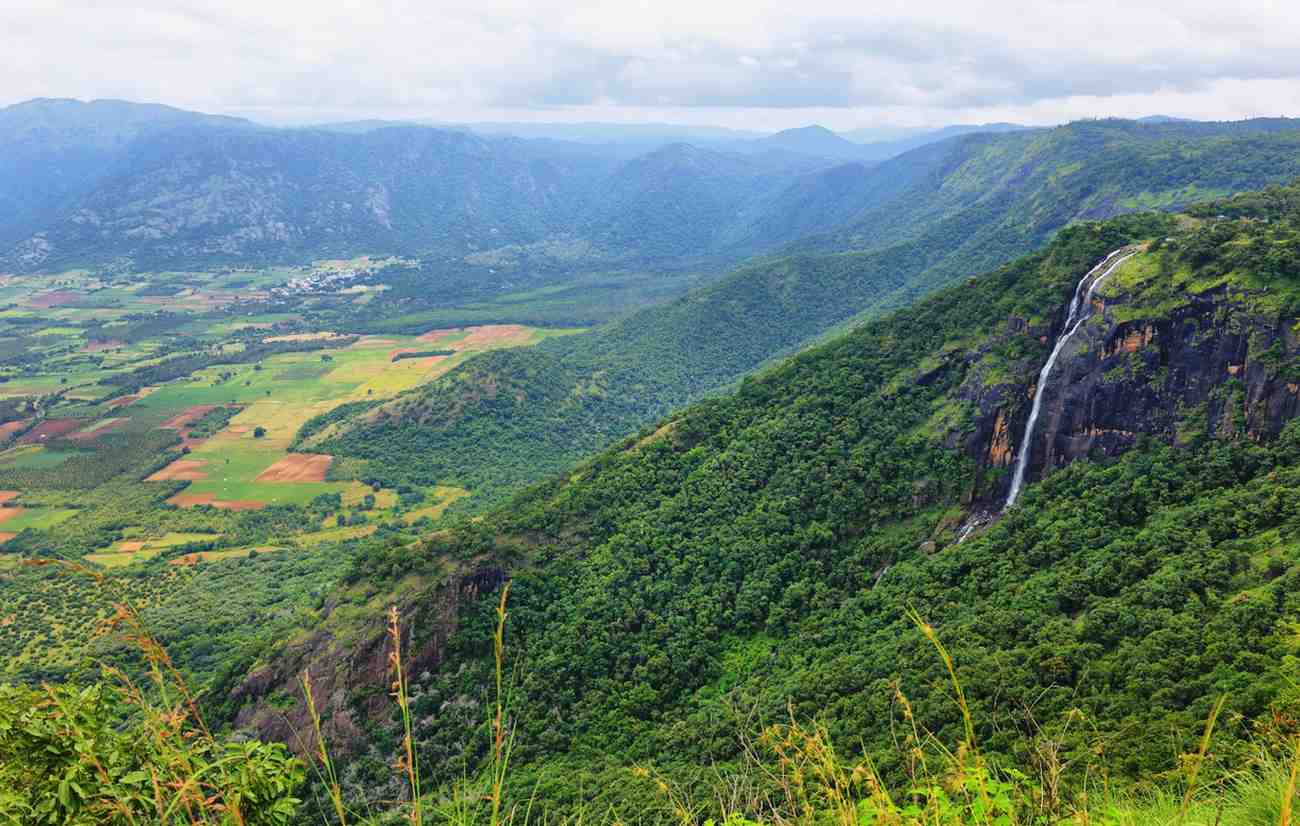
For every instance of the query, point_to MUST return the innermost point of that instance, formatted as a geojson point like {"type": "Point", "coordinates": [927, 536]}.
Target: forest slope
{"type": "Point", "coordinates": [759, 552]}
{"type": "Point", "coordinates": [952, 209]}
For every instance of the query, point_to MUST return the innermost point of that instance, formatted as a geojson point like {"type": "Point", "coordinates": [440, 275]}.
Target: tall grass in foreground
{"type": "Point", "coordinates": [805, 781]}
{"type": "Point", "coordinates": [64, 760]}
{"type": "Point", "coordinates": [478, 800]}
{"type": "Point", "coordinates": [67, 758]}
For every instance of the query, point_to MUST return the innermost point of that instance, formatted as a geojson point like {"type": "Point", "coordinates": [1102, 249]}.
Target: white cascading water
{"type": "Point", "coordinates": [1080, 311]}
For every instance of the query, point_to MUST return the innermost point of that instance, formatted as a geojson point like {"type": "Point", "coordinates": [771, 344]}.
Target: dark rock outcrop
{"type": "Point", "coordinates": [349, 671]}
{"type": "Point", "coordinates": [1210, 367]}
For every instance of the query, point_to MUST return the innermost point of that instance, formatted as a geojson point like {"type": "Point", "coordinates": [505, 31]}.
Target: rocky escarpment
{"type": "Point", "coordinates": [347, 661]}
{"type": "Point", "coordinates": [1213, 366]}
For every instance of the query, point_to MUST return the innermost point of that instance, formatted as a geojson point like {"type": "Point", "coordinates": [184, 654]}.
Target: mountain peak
{"type": "Point", "coordinates": [811, 140]}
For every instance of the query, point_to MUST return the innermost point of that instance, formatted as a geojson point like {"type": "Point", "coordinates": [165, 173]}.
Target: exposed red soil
{"type": "Point", "coordinates": [181, 469]}
{"type": "Point", "coordinates": [50, 429]}
{"type": "Point", "coordinates": [97, 346]}
{"type": "Point", "coordinates": [130, 546]}
{"type": "Point", "coordinates": [8, 495]}
{"type": "Point", "coordinates": [55, 299]}
{"type": "Point", "coordinates": [91, 435]}
{"type": "Point", "coordinates": [185, 417]}
{"type": "Point", "coordinates": [122, 401]}
{"type": "Point", "coordinates": [495, 334]}
{"type": "Point", "coordinates": [187, 500]}
{"type": "Point", "coordinates": [479, 336]}
{"type": "Point", "coordinates": [298, 467]}
{"type": "Point", "coordinates": [10, 428]}
{"type": "Point", "coordinates": [11, 512]}
{"type": "Point", "coordinates": [5, 536]}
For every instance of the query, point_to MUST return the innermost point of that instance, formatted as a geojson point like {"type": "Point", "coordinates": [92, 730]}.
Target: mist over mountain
{"type": "Point", "coordinates": [53, 150]}
{"type": "Point", "coordinates": [148, 186]}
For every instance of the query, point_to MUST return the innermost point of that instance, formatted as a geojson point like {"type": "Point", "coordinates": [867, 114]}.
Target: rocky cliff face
{"type": "Point", "coordinates": [346, 659]}
{"type": "Point", "coordinates": [1213, 365]}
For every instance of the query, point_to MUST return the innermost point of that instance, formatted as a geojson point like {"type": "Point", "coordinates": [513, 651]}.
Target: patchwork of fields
{"type": "Point", "coordinates": [147, 428]}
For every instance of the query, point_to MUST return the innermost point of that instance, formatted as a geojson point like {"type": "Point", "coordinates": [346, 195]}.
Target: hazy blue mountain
{"type": "Point", "coordinates": [874, 149]}
{"type": "Point", "coordinates": [153, 187]}
{"type": "Point", "coordinates": [54, 149]}
{"type": "Point", "coordinates": [198, 194]}
{"type": "Point", "coordinates": [811, 140]}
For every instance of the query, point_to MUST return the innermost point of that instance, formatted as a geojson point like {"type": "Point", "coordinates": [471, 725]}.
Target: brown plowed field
{"type": "Point", "coordinates": [51, 429]}
{"type": "Point", "coordinates": [91, 435]}
{"type": "Point", "coordinates": [190, 469]}
{"type": "Point", "coordinates": [96, 346]}
{"type": "Point", "coordinates": [55, 299]}
{"type": "Point", "coordinates": [180, 420]}
{"type": "Point", "coordinates": [10, 513]}
{"type": "Point", "coordinates": [8, 495]}
{"type": "Point", "coordinates": [486, 335]}
{"type": "Point", "coordinates": [298, 467]}
{"type": "Point", "coordinates": [187, 500]}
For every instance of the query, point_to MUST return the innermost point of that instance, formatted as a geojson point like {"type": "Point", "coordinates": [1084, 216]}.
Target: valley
{"type": "Point", "coordinates": [765, 552]}
{"type": "Point", "coordinates": [624, 477]}
{"type": "Point", "coordinates": [154, 424]}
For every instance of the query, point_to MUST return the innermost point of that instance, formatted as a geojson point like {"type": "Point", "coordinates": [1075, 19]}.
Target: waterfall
{"type": "Point", "coordinates": [1080, 311]}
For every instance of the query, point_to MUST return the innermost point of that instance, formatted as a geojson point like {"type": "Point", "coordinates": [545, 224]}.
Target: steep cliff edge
{"type": "Point", "coordinates": [346, 659]}
{"type": "Point", "coordinates": [767, 546]}
{"type": "Point", "coordinates": [1173, 352]}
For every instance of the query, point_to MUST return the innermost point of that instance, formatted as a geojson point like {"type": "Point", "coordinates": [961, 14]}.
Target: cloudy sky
{"type": "Point", "coordinates": [756, 64]}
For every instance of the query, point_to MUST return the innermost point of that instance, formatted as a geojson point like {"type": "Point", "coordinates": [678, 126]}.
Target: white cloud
{"type": "Point", "coordinates": [753, 63]}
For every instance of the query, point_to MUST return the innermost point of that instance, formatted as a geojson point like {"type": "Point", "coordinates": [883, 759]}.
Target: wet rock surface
{"type": "Point", "coordinates": [1211, 367]}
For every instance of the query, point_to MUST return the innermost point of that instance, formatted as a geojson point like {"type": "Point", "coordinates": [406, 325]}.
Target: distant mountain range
{"type": "Point", "coordinates": [135, 185]}
{"type": "Point", "coordinates": [53, 150]}
{"type": "Point", "coordinates": [865, 240]}
{"type": "Point", "coordinates": [148, 186]}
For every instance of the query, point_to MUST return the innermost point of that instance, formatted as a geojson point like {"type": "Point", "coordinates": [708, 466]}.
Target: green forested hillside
{"type": "Point", "coordinates": [758, 554]}
{"type": "Point", "coordinates": [1086, 169]}
{"type": "Point", "coordinates": [952, 210]}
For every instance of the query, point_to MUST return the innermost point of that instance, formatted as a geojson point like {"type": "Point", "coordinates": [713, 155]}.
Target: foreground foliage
{"type": "Point", "coordinates": [117, 752]}
{"type": "Point", "coordinates": [66, 757]}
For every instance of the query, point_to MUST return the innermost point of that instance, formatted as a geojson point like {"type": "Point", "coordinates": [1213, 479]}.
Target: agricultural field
{"type": "Point", "coordinates": [147, 439]}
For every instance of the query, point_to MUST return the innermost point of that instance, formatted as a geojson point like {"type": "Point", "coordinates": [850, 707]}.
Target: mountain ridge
{"type": "Point", "coordinates": [944, 212]}
{"type": "Point", "coordinates": [771, 546]}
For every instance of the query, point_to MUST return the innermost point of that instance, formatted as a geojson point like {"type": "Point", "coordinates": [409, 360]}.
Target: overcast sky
{"type": "Point", "coordinates": [756, 64]}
